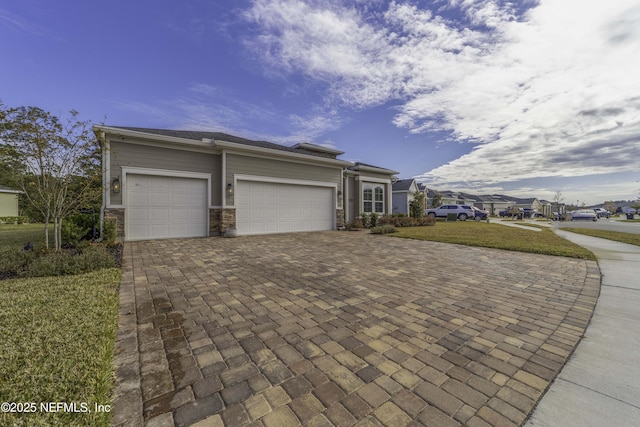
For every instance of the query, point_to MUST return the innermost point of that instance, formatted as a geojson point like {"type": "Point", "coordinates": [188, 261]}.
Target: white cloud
{"type": "Point", "coordinates": [551, 92]}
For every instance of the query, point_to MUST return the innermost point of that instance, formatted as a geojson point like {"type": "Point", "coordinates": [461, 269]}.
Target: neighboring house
{"type": "Point", "coordinates": [493, 203]}
{"type": "Point", "coordinates": [8, 201]}
{"type": "Point", "coordinates": [168, 183]}
{"type": "Point", "coordinates": [456, 198]}
{"type": "Point", "coordinates": [368, 190]}
{"type": "Point", "coordinates": [530, 203]}
{"type": "Point", "coordinates": [403, 194]}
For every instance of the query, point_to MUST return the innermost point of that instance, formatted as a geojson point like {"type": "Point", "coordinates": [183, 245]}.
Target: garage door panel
{"type": "Point", "coordinates": [277, 208]}
{"type": "Point", "coordinates": [164, 207]}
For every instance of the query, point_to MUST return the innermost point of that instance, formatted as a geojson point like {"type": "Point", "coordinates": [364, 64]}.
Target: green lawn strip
{"type": "Point", "coordinates": [497, 236]}
{"type": "Point", "coordinates": [618, 236]}
{"type": "Point", "coordinates": [57, 339]}
{"type": "Point", "coordinates": [17, 235]}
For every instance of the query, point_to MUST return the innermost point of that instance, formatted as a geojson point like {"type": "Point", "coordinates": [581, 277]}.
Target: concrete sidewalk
{"type": "Point", "coordinates": [600, 385]}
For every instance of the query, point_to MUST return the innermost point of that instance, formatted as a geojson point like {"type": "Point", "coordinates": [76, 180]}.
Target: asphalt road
{"type": "Point", "coordinates": [610, 224]}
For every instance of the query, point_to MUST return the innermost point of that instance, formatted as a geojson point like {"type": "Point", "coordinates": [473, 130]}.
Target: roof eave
{"type": "Point", "coordinates": [156, 137]}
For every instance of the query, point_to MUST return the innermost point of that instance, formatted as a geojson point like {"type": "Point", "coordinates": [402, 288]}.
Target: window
{"type": "Point", "coordinates": [373, 198]}
{"type": "Point", "coordinates": [379, 200]}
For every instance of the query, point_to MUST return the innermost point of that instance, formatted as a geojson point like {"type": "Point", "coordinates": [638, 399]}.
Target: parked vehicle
{"type": "Point", "coordinates": [512, 212]}
{"type": "Point", "coordinates": [462, 211]}
{"type": "Point", "coordinates": [479, 214]}
{"type": "Point", "coordinates": [602, 213]}
{"type": "Point", "coordinates": [584, 214]}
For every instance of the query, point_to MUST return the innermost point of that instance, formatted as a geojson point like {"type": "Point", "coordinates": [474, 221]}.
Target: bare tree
{"type": "Point", "coordinates": [557, 199]}
{"type": "Point", "coordinates": [60, 161]}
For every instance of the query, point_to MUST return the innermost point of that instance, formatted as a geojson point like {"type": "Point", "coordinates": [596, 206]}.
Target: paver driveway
{"type": "Point", "coordinates": [342, 328]}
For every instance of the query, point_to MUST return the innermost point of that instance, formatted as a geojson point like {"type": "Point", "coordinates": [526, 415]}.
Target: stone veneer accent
{"type": "Point", "coordinates": [339, 218]}
{"type": "Point", "coordinates": [118, 215]}
{"type": "Point", "coordinates": [220, 220]}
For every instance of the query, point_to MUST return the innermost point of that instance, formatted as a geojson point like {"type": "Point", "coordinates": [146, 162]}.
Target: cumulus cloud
{"type": "Point", "coordinates": [542, 88]}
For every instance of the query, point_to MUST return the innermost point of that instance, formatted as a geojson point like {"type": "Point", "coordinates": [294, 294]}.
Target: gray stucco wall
{"type": "Point", "coordinates": [143, 156]}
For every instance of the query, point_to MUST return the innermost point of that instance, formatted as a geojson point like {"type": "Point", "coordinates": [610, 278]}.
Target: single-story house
{"type": "Point", "coordinates": [529, 203]}
{"type": "Point", "coordinates": [8, 201]}
{"type": "Point", "coordinates": [493, 203]}
{"type": "Point", "coordinates": [162, 183]}
{"type": "Point", "coordinates": [403, 194]}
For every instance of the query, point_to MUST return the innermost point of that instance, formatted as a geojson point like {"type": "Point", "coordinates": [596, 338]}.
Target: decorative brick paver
{"type": "Point", "coordinates": [342, 329]}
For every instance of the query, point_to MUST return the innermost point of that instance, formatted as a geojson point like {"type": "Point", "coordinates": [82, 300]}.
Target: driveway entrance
{"type": "Point", "coordinates": [342, 328]}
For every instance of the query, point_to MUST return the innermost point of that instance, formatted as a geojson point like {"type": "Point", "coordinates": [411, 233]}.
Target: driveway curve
{"type": "Point", "coordinates": [342, 328]}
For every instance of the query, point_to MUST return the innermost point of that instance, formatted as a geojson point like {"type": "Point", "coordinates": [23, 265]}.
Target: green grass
{"type": "Point", "coordinates": [497, 236]}
{"type": "Point", "coordinates": [17, 235]}
{"type": "Point", "coordinates": [632, 239]}
{"type": "Point", "coordinates": [57, 339]}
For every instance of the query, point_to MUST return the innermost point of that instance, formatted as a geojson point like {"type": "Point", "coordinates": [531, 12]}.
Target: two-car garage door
{"type": "Point", "coordinates": [166, 206]}
{"type": "Point", "coordinates": [270, 207]}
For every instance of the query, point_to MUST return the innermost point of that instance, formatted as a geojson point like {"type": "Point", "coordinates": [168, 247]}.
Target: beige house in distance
{"type": "Point", "coordinates": [8, 201]}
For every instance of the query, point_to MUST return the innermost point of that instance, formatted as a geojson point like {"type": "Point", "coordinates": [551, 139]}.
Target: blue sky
{"type": "Point", "coordinates": [488, 96]}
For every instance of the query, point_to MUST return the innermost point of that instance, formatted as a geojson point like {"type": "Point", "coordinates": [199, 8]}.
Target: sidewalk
{"type": "Point", "coordinates": [600, 384]}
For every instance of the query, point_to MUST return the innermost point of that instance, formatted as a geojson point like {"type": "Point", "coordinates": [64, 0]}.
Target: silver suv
{"type": "Point", "coordinates": [462, 211]}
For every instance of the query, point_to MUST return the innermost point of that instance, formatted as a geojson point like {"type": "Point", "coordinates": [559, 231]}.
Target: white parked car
{"type": "Point", "coordinates": [462, 211]}
{"type": "Point", "coordinates": [584, 214]}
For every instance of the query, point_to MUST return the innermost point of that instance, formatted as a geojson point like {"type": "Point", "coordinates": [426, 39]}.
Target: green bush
{"type": "Point", "coordinates": [13, 219]}
{"type": "Point", "coordinates": [14, 261]}
{"type": "Point", "coordinates": [383, 229]}
{"type": "Point", "coordinates": [364, 218]}
{"type": "Point", "coordinates": [373, 219]}
{"type": "Point", "coordinates": [77, 227]}
{"type": "Point", "coordinates": [109, 230]}
{"type": "Point", "coordinates": [73, 233]}
{"type": "Point", "coordinates": [355, 225]}
{"type": "Point", "coordinates": [83, 260]}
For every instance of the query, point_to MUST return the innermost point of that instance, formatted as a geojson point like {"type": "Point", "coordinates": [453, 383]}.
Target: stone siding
{"type": "Point", "coordinates": [118, 215]}
{"type": "Point", "coordinates": [339, 218]}
{"type": "Point", "coordinates": [220, 220]}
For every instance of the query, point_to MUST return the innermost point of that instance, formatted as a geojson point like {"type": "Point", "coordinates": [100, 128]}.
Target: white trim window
{"type": "Point", "coordinates": [373, 198]}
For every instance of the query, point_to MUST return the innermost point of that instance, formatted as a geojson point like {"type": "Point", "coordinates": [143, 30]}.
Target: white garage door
{"type": "Point", "coordinates": [264, 207]}
{"type": "Point", "coordinates": [164, 206]}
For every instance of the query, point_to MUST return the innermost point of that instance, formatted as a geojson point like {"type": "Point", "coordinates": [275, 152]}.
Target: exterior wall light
{"type": "Point", "coordinates": [229, 189]}
{"type": "Point", "coordinates": [115, 185]}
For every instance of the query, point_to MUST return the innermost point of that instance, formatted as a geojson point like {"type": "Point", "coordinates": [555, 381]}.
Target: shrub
{"type": "Point", "coordinates": [73, 233]}
{"type": "Point", "coordinates": [77, 227]}
{"type": "Point", "coordinates": [373, 219]}
{"type": "Point", "coordinates": [14, 261]}
{"type": "Point", "coordinates": [13, 219]}
{"type": "Point", "coordinates": [364, 218]}
{"type": "Point", "coordinates": [82, 260]}
{"type": "Point", "coordinates": [355, 225]}
{"type": "Point", "coordinates": [383, 229]}
{"type": "Point", "coordinates": [109, 230]}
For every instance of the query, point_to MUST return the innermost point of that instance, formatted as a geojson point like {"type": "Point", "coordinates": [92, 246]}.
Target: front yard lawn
{"type": "Point", "coordinates": [632, 239]}
{"type": "Point", "coordinates": [18, 235]}
{"type": "Point", "coordinates": [57, 339]}
{"type": "Point", "coordinates": [472, 233]}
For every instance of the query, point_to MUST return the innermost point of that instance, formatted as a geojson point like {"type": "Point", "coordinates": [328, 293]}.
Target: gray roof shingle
{"type": "Point", "coordinates": [220, 136]}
